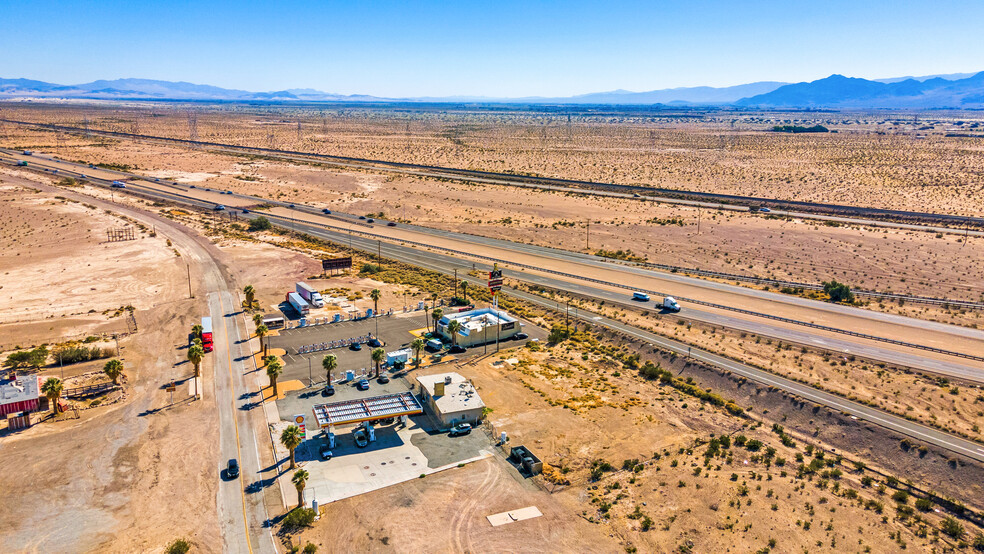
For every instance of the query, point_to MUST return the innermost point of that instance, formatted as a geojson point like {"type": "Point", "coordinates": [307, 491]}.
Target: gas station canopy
{"type": "Point", "coordinates": [366, 409]}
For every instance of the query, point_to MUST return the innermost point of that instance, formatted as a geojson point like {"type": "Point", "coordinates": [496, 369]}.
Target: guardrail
{"type": "Point", "coordinates": [690, 300]}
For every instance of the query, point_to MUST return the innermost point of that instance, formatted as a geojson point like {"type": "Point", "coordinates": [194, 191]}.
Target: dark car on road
{"type": "Point", "coordinates": [291, 206]}
{"type": "Point", "coordinates": [328, 391]}
{"type": "Point", "coordinates": [520, 336]}
{"type": "Point", "coordinates": [460, 429]}
{"type": "Point", "coordinates": [232, 469]}
{"type": "Point", "coordinates": [355, 346]}
{"type": "Point", "coordinates": [457, 349]}
{"type": "Point", "coordinates": [218, 208]}
{"type": "Point", "coordinates": [382, 379]}
{"type": "Point", "coordinates": [245, 211]}
{"type": "Point", "coordinates": [363, 385]}
{"type": "Point", "coordinates": [362, 217]}
{"type": "Point", "coordinates": [391, 224]}
{"type": "Point", "coordinates": [370, 220]}
{"type": "Point", "coordinates": [326, 211]}
{"type": "Point", "coordinates": [374, 342]}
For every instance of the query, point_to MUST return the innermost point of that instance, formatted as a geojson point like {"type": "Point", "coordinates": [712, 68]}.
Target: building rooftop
{"type": "Point", "coordinates": [476, 320]}
{"type": "Point", "coordinates": [459, 395]}
{"type": "Point", "coordinates": [366, 409]}
{"type": "Point", "coordinates": [27, 387]}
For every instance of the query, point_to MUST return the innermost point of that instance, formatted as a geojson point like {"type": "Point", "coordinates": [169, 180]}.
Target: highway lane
{"type": "Point", "coordinates": [447, 264]}
{"type": "Point", "coordinates": [929, 333]}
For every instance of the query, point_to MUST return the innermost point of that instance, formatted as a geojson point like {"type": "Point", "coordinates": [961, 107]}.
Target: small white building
{"type": "Point", "coordinates": [450, 398]}
{"type": "Point", "coordinates": [481, 326]}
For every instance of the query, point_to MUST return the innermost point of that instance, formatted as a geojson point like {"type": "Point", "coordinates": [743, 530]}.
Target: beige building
{"type": "Point", "coordinates": [481, 326]}
{"type": "Point", "coordinates": [450, 398]}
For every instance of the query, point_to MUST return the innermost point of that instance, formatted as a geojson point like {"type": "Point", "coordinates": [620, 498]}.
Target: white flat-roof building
{"type": "Point", "coordinates": [450, 398]}
{"type": "Point", "coordinates": [480, 326]}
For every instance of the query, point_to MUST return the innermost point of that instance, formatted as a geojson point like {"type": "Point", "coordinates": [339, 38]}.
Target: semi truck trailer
{"type": "Point", "coordinates": [309, 294]}
{"type": "Point", "coordinates": [207, 334]}
{"type": "Point", "coordinates": [298, 303]}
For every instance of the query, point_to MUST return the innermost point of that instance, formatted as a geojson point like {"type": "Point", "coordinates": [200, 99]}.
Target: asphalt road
{"type": "Point", "coordinates": [446, 264]}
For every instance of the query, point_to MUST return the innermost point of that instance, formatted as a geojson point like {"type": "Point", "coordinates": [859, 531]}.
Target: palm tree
{"type": "Point", "coordinates": [195, 355]}
{"type": "Point", "coordinates": [52, 389]}
{"type": "Point", "coordinates": [268, 359]}
{"type": "Point", "coordinates": [453, 327]}
{"type": "Point", "coordinates": [378, 355]}
{"type": "Point", "coordinates": [114, 369]}
{"type": "Point", "coordinates": [436, 315]}
{"type": "Point", "coordinates": [330, 363]}
{"type": "Point", "coordinates": [257, 319]}
{"type": "Point", "coordinates": [261, 332]}
{"type": "Point", "coordinates": [196, 331]}
{"type": "Point", "coordinates": [273, 370]}
{"type": "Point", "coordinates": [417, 345]}
{"type": "Point", "coordinates": [250, 293]}
{"type": "Point", "coordinates": [291, 438]}
{"type": "Point", "coordinates": [300, 480]}
{"type": "Point", "coordinates": [375, 294]}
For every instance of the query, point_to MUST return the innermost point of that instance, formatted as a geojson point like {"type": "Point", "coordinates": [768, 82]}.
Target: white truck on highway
{"type": "Point", "coordinates": [670, 303]}
{"type": "Point", "coordinates": [312, 296]}
{"type": "Point", "coordinates": [298, 303]}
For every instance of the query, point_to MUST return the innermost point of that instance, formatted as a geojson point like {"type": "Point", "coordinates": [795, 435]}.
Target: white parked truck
{"type": "Point", "coordinates": [669, 303]}
{"type": "Point", "coordinates": [298, 303]}
{"type": "Point", "coordinates": [308, 293]}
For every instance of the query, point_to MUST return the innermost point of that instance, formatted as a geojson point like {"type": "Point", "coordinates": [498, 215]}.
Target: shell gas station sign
{"type": "Point", "coordinates": [299, 421]}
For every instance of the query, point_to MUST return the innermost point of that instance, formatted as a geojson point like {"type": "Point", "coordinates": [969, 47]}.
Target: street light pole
{"type": "Point", "coordinates": [310, 376]}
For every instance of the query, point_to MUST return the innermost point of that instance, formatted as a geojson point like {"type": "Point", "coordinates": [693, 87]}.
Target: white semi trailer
{"type": "Point", "coordinates": [309, 294]}
{"type": "Point", "coordinates": [298, 303]}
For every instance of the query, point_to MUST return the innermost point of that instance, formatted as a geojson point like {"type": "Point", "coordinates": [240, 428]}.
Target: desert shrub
{"type": "Point", "coordinates": [259, 224]}
{"type": "Point", "coordinates": [27, 358]}
{"type": "Point", "coordinates": [369, 269]}
{"type": "Point", "coordinates": [297, 519]}
{"type": "Point", "coordinates": [74, 354]}
{"type": "Point", "coordinates": [838, 292]}
{"type": "Point", "coordinates": [900, 496]}
{"type": "Point", "coordinates": [952, 527]}
{"type": "Point", "coordinates": [310, 548]}
{"type": "Point", "coordinates": [924, 504]}
{"type": "Point", "coordinates": [177, 546]}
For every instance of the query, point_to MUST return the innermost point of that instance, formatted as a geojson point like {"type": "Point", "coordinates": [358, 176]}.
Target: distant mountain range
{"type": "Point", "coordinates": [958, 90]}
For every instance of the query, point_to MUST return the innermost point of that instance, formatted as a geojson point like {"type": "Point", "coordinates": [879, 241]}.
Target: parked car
{"type": "Point", "coordinates": [328, 390]}
{"type": "Point", "coordinates": [355, 346]}
{"type": "Point", "coordinates": [457, 349]}
{"type": "Point", "coordinates": [382, 379]}
{"type": "Point", "coordinates": [460, 429]}
{"type": "Point", "coordinates": [326, 211]}
{"type": "Point", "coordinates": [363, 385]}
{"type": "Point", "coordinates": [325, 453]}
{"type": "Point", "coordinates": [219, 207]}
{"type": "Point", "coordinates": [361, 438]}
{"type": "Point", "coordinates": [374, 342]}
{"type": "Point", "coordinates": [520, 336]}
{"type": "Point", "coordinates": [232, 469]}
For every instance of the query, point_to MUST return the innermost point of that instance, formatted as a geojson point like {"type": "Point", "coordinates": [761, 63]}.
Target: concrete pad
{"type": "Point", "coordinates": [504, 518]}
{"type": "Point", "coordinates": [266, 393]}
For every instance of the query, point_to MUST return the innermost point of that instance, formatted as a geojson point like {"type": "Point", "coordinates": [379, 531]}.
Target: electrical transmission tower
{"type": "Point", "coordinates": [192, 127]}
{"type": "Point", "coordinates": [300, 134]}
{"type": "Point", "coordinates": [85, 123]}
{"type": "Point", "coordinates": [271, 141]}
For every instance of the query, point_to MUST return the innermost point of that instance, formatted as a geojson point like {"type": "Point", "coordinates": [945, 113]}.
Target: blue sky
{"type": "Point", "coordinates": [502, 48]}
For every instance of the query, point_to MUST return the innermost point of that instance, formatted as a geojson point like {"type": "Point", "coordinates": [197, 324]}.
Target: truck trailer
{"type": "Point", "coordinates": [298, 303]}
{"type": "Point", "coordinates": [311, 295]}
{"type": "Point", "coordinates": [207, 334]}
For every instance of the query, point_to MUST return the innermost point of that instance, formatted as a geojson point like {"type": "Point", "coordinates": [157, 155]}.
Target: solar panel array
{"type": "Point", "coordinates": [365, 409]}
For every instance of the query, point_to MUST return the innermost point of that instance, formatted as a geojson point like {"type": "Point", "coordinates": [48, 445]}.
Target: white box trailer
{"type": "Point", "coordinates": [298, 303]}
{"type": "Point", "coordinates": [309, 294]}
{"type": "Point", "coordinates": [402, 356]}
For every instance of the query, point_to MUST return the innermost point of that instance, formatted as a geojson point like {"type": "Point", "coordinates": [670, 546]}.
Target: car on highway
{"type": "Point", "coordinates": [370, 220]}
{"type": "Point", "coordinates": [636, 195]}
{"type": "Point", "coordinates": [391, 224]}
{"type": "Point", "coordinates": [361, 438]}
{"type": "Point", "coordinates": [460, 429]}
{"type": "Point", "coordinates": [191, 186]}
{"type": "Point", "coordinates": [326, 211]}
{"type": "Point", "coordinates": [157, 180]}
{"type": "Point", "coordinates": [325, 453]}
{"type": "Point", "coordinates": [118, 185]}
{"type": "Point", "coordinates": [457, 349]}
{"type": "Point", "coordinates": [374, 343]}
{"type": "Point", "coordinates": [765, 210]}
{"type": "Point", "coordinates": [219, 208]}
{"type": "Point", "coordinates": [227, 192]}
{"type": "Point", "coordinates": [83, 175]}
{"type": "Point", "coordinates": [291, 206]}
{"type": "Point", "coordinates": [232, 469]}
{"type": "Point", "coordinates": [209, 190]}
{"type": "Point", "coordinates": [355, 346]}
{"type": "Point", "coordinates": [329, 390]}
{"type": "Point", "coordinates": [362, 217]}
{"type": "Point", "coordinates": [245, 211]}
{"type": "Point", "coordinates": [382, 379]}
{"type": "Point", "coordinates": [520, 336]}
{"type": "Point", "coordinates": [363, 384]}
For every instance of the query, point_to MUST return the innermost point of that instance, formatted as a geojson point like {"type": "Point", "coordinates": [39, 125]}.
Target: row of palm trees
{"type": "Point", "coordinates": [53, 386]}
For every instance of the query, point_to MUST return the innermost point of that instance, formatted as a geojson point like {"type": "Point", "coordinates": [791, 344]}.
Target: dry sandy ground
{"type": "Point", "coordinates": [884, 159]}
{"type": "Point", "coordinates": [917, 263]}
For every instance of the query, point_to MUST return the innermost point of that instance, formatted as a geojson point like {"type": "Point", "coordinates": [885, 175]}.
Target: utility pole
{"type": "Point", "coordinates": [698, 220]}
{"type": "Point", "coordinates": [188, 267]}
{"type": "Point", "coordinates": [379, 253]}
{"type": "Point", "coordinates": [310, 375]}
{"type": "Point", "coordinates": [587, 232]}
{"type": "Point", "coordinates": [456, 282]}
{"type": "Point", "coordinates": [567, 320]}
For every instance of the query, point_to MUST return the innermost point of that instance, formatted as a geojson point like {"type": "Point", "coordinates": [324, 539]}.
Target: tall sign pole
{"type": "Point", "coordinates": [495, 285]}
